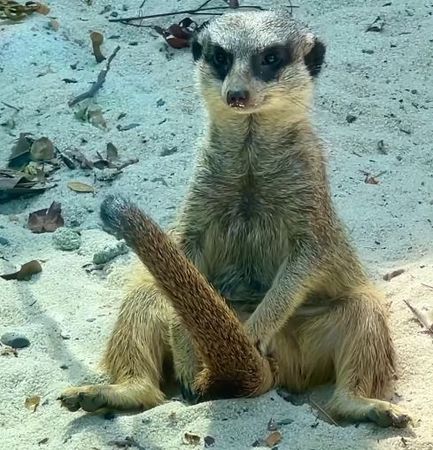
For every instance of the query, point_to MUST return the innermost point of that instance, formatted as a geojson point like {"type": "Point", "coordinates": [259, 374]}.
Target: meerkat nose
{"type": "Point", "coordinates": [237, 99]}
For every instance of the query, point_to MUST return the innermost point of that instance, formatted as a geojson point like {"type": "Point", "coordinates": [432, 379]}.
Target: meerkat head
{"type": "Point", "coordinates": [255, 61]}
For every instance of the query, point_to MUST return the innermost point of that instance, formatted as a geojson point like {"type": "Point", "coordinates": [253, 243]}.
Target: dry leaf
{"type": "Point", "coordinates": [377, 25]}
{"type": "Point", "coordinates": [78, 186]}
{"type": "Point", "coordinates": [97, 40]}
{"type": "Point", "coordinates": [41, 8]}
{"type": "Point", "coordinates": [191, 439]}
{"type": "Point", "coordinates": [54, 24]}
{"type": "Point", "coordinates": [395, 273]}
{"type": "Point", "coordinates": [112, 152]}
{"type": "Point", "coordinates": [32, 402]}
{"type": "Point", "coordinates": [273, 439]}
{"type": "Point", "coordinates": [46, 220]}
{"type": "Point", "coordinates": [42, 149]}
{"type": "Point", "coordinates": [20, 153]}
{"type": "Point", "coordinates": [26, 272]}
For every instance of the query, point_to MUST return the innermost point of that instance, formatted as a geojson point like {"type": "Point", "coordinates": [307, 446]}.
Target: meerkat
{"type": "Point", "coordinates": [239, 370]}
{"type": "Point", "coordinates": [259, 224]}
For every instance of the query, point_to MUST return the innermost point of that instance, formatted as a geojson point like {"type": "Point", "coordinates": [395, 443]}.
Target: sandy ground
{"type": "Point", "coordinates": [384, 79]}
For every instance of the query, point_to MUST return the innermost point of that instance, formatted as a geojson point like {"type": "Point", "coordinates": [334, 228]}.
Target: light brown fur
{"type": "Point", "coordinates": [259, 224]}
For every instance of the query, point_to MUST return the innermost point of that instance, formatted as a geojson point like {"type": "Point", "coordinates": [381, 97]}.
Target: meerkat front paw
{"type": "Point", "coordinates": [389, 415]}
{"type": "Point", "coordinates": [88, 398]}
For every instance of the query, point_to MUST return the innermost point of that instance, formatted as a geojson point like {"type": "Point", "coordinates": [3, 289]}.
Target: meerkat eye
{"type": "Point", "coordinates": [270, 59]}
{"type": "Point", "coordinates": [220, 57]}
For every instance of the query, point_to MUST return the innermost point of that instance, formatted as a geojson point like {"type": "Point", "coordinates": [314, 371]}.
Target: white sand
{"type": "Point", "coordinates": [391, 223]}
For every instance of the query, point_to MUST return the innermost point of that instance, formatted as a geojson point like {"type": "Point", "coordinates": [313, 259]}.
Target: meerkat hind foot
{"type": "Point", "coordinates": [382, 413]}
{"type": "Point", "coordinates": [111, 397]}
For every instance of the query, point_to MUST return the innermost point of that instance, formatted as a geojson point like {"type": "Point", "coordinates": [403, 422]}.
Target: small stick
{"type": "Point", "coordinates": [185, 11]}
{"type": "Point", "coordinates": [325, 413]}
{"type": "Point", "coordinates": [12, 106]}
{"type": "Point", "coordinates": [427, 285]}
{"type": "Point", "coordinates": [97, 84]}
{"type": "Point", "coordinates": [422, 318]}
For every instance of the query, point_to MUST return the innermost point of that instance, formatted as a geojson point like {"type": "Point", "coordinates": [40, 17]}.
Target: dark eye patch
{"type": "Point", "coordinates": [220, 60]}
{"type": "Point", "coordinates": [267, 64]}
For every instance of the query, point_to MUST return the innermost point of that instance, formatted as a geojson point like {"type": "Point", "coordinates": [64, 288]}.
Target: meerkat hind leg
{"type": "Point", "coordinates": [134, 358]}
{"type": "Point", "coordinates": [364, 362]}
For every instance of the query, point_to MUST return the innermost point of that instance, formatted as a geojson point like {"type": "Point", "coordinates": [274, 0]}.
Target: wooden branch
{"type": "Point", "coordinates": [98, 83]}
{"type": "Point", "coordinates": [197, 11]}
{"type": "Point", "coordinates": [422, 317]}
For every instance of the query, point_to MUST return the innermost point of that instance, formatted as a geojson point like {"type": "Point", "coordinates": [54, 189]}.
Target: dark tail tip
{"type": "Point", "coordinates": [113, 213]}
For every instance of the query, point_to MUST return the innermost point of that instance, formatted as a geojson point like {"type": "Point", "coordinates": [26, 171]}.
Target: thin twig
{"type": "Point", "coordinates": [98, 83]}
{"type": "Point", "coordinates": [12, 106]}
{"type": "Point", "coordinates": [196, 11]}
{"type": "Point", "coordinates": [325, 413]}
{"type": "Point", "coordinates": [422, 318]}
{"type": "Point", "coordinates": [427, 285]}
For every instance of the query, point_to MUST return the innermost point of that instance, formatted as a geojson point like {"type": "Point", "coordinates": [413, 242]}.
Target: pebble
{"type": "Point", "coordinates": [66, 239]}
{"type": "Point", "coordinates": [4, 241]}
{"type": "Point", "coordinates": [110, 252]}
{"type": "Point", "coordinates": [14, 340]}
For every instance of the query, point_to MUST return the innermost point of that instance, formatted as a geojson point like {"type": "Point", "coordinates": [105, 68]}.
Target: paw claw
{"type": "Point", "coordinates": [389, 416]}
{"type": "Point", "coordinates": [88, 399]}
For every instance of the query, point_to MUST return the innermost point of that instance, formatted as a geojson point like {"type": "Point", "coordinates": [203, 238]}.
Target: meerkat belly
{"type": "Point", "coordinates": [243, 260]}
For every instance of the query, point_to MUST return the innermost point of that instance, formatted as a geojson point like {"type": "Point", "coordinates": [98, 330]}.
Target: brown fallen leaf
{"type": "Point", "coordinates": [14, 183]}
{"type": "Point", "coordinates": [54, 24]}
{"type": "Point", "coordinates": [78, 186]}
{"type": "Point", "coordinates": [20, 153]}
{"type": "Point", "coordinates": [32, 402]}
{"type": "Point", "coordinates": [26, 272]}
{"type": "Point", "coordinates": [273, 439]}
{"type": "Point", "coordinates": [46, 220]}
{"type": "Point", "coordinates": [42, 149]}
{"type": "Point", "coordinates": [97, 40]}
{"type": "Point", "coordinates": [395, 273]}
{"type": "Point", "coordinates": [191, 439]}
{"type": "Point", "coordinates": [112, 152]}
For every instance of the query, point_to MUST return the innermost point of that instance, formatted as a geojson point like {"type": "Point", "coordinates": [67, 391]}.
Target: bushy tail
{"type": "Point", "coordinates": [218, 335]}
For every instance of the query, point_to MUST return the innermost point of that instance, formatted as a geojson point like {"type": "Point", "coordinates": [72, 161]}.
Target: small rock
{"type": "Point", "coordinates": [66, 239]}
{"type": "Point", "coordinates": [64, 367]}
{"type": "Point", "coordinates": [14, 340]}
{"type": "Point", "coordinates": [350, 118]}
{"type": "Point", "coordinates": [4, 241]}
{"type": "Point", "coordinates": [169, 151]}
{"type": "Point", "coordinates": [110, 252]}
{"type": "Point", "coordinates": [209, 441]}
{"type": "Point", "coordinates": [160, 102]}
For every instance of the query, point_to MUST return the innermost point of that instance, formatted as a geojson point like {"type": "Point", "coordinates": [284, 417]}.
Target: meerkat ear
{"type": "Point", "coordinates": [315, 57]}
